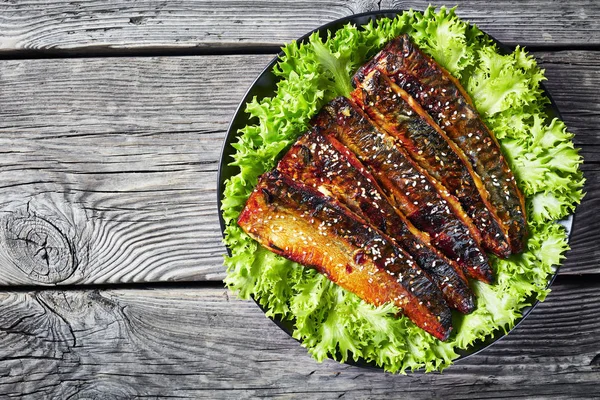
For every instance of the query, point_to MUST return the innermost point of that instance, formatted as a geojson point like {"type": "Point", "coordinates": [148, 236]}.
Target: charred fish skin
{"type": "Point", "coordinates": [398, 113]}
{"type": "Point", "coordinates": [328, 166]}
{"type": "Point", "coordinates": [450, 106]}
{"type": "Point", "coordinates": [417, 195]}
{"type": "Point", "coordinates": [305, 226]}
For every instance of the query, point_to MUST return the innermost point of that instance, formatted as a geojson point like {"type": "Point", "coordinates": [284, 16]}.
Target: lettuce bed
{"type": "Point", "coordinates": [506, 90]}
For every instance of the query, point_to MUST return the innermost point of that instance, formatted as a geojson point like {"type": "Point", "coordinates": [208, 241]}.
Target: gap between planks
{"type": "Point", "coordinates": [561, 279]}
{"type": "Point", "coordinates": [108, 52]}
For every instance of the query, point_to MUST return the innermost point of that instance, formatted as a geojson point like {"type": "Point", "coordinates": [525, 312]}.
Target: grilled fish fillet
{"type": "Point", "coordinates": [399, 114]}
{"type": "Point", "coordinates": [301, 224]}
{"type": "Point", "coordinates": [451, 107]}
{"type": "Point", "coordinates": [322, 162]}
{"type": "Point", "coordinates": [424, 201]}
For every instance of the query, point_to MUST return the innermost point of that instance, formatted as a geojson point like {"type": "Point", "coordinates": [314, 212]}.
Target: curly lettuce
{"type": "Point", "coordinates": [334, 323]}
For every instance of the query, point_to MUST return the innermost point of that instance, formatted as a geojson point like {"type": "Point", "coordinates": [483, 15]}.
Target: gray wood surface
{"type": "Point", "coordinates": [120, 156]}
{"type": "Point", "coordinates": [116, 160]}
{"type": "Point", "coordinates": [203, 343]}
{"type": "Point", "coordinates": [108, 168]}
{"type": "Point", "coordinates": [97, 26]}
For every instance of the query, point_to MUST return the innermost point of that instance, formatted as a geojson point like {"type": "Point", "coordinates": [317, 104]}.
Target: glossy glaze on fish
{"type": "Point", "coordinates": [325, 164]}
{"type": "Point", "coordinates": [399, 114]}
{"type": "Point", "coordinates": [303, 225]}
{"type": "Point", "coordinates": [449, 105]}
{"type": "Point", "coordinates": [423, 200]}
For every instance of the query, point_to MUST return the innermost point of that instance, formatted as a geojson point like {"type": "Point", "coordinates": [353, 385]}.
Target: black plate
{"type": "Point", "coordinates": [265, 85]}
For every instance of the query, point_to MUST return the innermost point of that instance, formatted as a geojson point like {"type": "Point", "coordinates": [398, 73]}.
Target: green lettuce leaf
{"type": "Point", "coordinates": [505, 88]}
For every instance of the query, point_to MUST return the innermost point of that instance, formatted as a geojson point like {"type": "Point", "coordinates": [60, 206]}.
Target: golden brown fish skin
{"type": "Point", "coordinates": [399, 114]}
{"type": "Point", "coordinates": [305, 226]}
{"type": "Point", "coordinates": [423, 200]}
{"type": "Point", "coordinates": [328, 166]}
{"type": "Point", "coordinates": [449, 105]}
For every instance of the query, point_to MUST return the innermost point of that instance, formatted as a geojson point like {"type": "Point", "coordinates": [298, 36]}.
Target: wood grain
{"type": "Point", "coordinates": [572, 77]}
{"type": "Point", "coordinates": [584, 256]}
{"type": "Point", "coordinates": [102, 27]}
{"type": "Point", "coordinates": [116, 159]}
{"type": "Point", "coordinates": [203, 343]}
{"type": "Point", "coordinates": [120, 155]}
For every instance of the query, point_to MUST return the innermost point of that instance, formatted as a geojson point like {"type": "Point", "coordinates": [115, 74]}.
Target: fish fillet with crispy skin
{"type": "Point", "coordinates": [322, 162]}
{"type": "Point", "coordinates": [450, 106]}
{"type": "Point", "coordinates": [425, 202]}
{"type": "Point", "coordinates": [398, 113]}
{"type": "Point", "coordinates": [305, 226]}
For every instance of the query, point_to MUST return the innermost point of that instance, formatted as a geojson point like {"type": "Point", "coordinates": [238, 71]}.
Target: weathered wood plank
{"type": "Point", "coordinates": [166, 93]}
{"type": "Point", "coordinates": [95, 27]}
{"type": "Point", "coordinates": [572, 77]}
{"type": "Point", "coordinates": [202, 343]}
{"type": "Point", "coordinates": [115, 159]}
{"type": "Point", "coordinates": [584, 256]}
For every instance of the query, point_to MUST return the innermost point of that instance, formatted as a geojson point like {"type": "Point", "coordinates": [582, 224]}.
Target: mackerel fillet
{"type": "Point", "coordinates": [399, 114]}
{"type": "Point", "coordinates": [422, 199]}
{"type": "Point", "coordinates": [450, 106]}
{"type": "Point", "coordinates": [303, 225]}
{"type": "Point", "coordinates": [322, 162]}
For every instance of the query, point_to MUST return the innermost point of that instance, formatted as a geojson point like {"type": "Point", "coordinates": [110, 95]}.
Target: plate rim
{"type": "Point", "coordinates": [231, 134]}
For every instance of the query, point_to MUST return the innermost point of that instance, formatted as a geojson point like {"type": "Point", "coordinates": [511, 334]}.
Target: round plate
{"type": "Point", "coordinates": [265, 85]}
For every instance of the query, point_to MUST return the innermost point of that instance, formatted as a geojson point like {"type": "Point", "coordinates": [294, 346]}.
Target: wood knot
{"type": "Point", "coordinates": [38, 248]}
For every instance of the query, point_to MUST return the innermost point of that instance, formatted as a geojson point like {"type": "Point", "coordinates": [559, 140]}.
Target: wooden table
{"type": "Point", "coordinates": [112, 116]}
